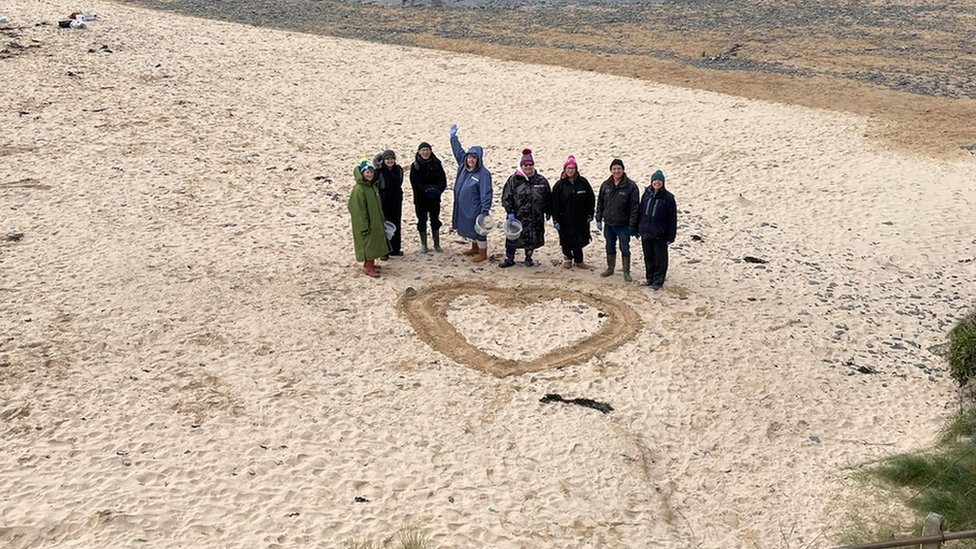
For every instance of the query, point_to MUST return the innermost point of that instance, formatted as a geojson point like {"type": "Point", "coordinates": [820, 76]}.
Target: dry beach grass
{"type": "Point", "coordinates": [190, 357]}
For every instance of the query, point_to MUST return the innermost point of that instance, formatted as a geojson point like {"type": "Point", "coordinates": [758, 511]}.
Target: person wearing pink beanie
{"type": "Point", "coordinates": [572, 212]}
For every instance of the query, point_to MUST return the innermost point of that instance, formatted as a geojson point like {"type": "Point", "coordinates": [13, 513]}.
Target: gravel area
{"type": "Point", "coordinates": [919, 47]}
{"type": "Point", "coordinates": [847, 52]}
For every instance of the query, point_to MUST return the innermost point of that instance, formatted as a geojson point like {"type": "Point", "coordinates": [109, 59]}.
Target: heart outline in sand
{"type": "Point", "coordinates": [426, 310]}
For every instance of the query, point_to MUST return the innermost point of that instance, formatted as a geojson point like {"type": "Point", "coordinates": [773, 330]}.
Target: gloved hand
{"type": "Point", "coordinates": [431, 192]}
{"type": "Point", "coordinates": [556, 225]}
{"type": "Point", "coordinates": [453, 130]}
{"type": "Point", "coordinates": [548, 217]}
{"type": "Point", "coordinates": [589, 220]}
{"type": "Point", "coordinates": [511, 217]}
{"type": "Point", "coordinates": [632, 230]}
{"type": "Point", "coordinates": [599, 226]}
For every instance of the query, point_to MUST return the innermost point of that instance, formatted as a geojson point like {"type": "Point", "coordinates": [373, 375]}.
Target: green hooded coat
{"type": "Point", "coordinates": [367, 220]}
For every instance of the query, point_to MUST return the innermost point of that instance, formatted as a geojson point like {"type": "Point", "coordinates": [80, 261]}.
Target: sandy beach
{"type": "Point", "coordinates": [190, 355]}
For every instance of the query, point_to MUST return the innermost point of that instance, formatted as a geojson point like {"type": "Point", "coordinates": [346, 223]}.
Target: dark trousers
{"type": "Point", "coordinates": [574, 253]}
{"type": "Point", "coordinates": [510, 252]}
{"type": "Point", "coordinates": [393, 211]}
{"type": "Point", "coordinates": [428, 209]}
{"type": "Point", "coordinates": [655, 260]}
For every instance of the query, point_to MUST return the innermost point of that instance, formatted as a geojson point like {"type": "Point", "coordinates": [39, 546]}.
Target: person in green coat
{"type": "Point", "coordinates": [366, 212]}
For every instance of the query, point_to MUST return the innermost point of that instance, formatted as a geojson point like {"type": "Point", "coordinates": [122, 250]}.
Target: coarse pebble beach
{"type": "Point", "coordinates": [191, 356]}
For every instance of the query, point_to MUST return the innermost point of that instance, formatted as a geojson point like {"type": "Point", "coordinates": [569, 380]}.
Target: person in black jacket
{"type": "Point", "coordinates": [526, 197]}
{"type": "Point", "coordinates": [428, 181]}
{"type": "Point", "coordinates": [617, 206]}
{"type": "Point", "coordinates": [389, 182]}
{"type": "Point", "coordinates": [572, 212]}
{"type": "Point", "coordinates": [657, 224]}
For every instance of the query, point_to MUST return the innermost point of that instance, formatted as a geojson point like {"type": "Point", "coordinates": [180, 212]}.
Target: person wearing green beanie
{"type": "Point", "coordinates": [657, 224]}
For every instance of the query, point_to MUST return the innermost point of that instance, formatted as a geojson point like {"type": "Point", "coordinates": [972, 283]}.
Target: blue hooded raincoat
{"type": "Point", "coordinates": [472, 192]}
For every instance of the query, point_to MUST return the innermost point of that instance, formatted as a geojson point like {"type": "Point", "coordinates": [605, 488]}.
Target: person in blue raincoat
{"type": "Point", "coordinates": [472, 196]}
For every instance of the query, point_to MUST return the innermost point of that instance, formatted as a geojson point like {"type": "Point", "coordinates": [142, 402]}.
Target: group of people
{"type": "Point", "coordinates": [619, 209]}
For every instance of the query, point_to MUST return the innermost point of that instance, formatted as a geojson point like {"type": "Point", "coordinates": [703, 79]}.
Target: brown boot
{"type": "Point", "coordinates": [472, 251]}
{"type": "Point", "coordinates": [482, 255]}
{"type": "Point", "coordinates": [567, 262]}
{"type": "Point", "coordinates": [370, 269]}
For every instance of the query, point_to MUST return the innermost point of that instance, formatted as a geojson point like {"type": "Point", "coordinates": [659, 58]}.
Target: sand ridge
{"type": "Point", "coordinates": [426, 309]}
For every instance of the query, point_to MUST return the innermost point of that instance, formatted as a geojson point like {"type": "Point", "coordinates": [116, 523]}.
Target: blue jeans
{"type": "Point", "coordinates": [612, 235]}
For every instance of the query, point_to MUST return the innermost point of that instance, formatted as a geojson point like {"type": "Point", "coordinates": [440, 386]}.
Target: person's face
{"type": "Point", "coordinates": [657, 184]}
{"type": "Point", "coordinates": [368, 174]}
{"type": "Point", "coordinates": [424, 153]}
{"type": "Point", "coordinates": [528, 169]}
{"type": "Point", "coordinates": [570, 171]}
{"type": "Point", "coordinates": [471, 161]}
{"type": "Point", "coordinates": [617, 172]}
{"type": "Point", "coordinates": [389, 162]}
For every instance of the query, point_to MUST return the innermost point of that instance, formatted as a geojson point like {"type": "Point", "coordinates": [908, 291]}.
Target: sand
{"type": "Point", "coordinates": [191, 357]}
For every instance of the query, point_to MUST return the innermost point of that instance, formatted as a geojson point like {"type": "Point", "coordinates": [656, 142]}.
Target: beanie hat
{"type": "Point", "coordinates": [364, 164]}
{"type": "Point", "coordinates": [570, 161]}
{"type": "Point", "coordinates": [389, 154]}
{"type": "Point", "coordinates": [617, 162]}
{"type": "Point", "coordinates": [658, 176]}
{"type": "Point", "coordinates": [423, 145]}
{"type": "Point", "coordinates": [526, 157]}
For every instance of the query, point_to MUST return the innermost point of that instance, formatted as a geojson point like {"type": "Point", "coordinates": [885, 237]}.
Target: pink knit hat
{"type": "Point", "coordinates": [571, 161]}
{"type": "Point", "coordinates": [526, 158]}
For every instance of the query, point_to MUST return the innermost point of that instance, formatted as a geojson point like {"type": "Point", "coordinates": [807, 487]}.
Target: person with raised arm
{"type": "Point", "coordinates": [472, 196]}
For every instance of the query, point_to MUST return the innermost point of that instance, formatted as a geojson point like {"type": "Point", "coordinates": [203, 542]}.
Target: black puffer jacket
{"type": "Point", "coordinates": [530, 200]}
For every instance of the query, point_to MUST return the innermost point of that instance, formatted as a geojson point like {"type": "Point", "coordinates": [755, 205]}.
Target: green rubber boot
{"type": "Point", "coordinates": [611, 264]}
{"type": "Point", "coordinates": [437, 242]}
{"type": "Point", "coordinates": [627, 277]}
{"type": "Point", "coordinates": [423, 242]}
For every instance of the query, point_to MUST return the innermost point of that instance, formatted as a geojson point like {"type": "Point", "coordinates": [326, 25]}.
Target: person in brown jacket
{"type": "Point", "coordinates": [617, 206]}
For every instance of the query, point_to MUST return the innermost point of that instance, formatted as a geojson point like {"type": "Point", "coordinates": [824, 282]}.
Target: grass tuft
{"type": "Point", "coordinates": [942, 479]}
{"type": "Point", "coordinates": [407, 538]}
{"type": "Point", "coordinates": [962, 349]}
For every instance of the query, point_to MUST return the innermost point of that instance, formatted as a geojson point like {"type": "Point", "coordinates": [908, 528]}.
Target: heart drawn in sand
{"type": "Point", "coordinates": [427, 311]}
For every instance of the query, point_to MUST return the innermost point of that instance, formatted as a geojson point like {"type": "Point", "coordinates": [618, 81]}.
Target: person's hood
{"type": "Point", "coordinates": [477, 151]}
{"type": "Point", "coordinates": [358, 175]}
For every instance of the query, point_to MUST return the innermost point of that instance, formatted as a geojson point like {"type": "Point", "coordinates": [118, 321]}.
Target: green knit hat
{"type": "Point", "coordinates": [658, 176]}
{"type": "Point", "coordinates": [424, 144]}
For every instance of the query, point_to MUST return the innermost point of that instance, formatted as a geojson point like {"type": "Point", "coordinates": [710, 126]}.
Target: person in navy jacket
{"type": "Point", "coordinates": [657, 224]}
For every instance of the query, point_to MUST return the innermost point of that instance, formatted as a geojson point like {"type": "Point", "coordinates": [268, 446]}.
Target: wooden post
{"type": "Point", "coordinates": [932, 527]}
